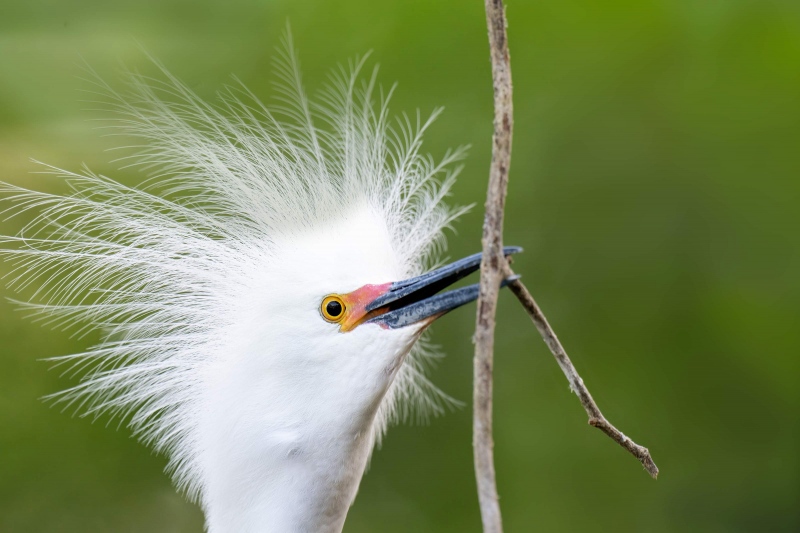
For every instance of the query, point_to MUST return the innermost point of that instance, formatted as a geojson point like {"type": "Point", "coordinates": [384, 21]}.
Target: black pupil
{"type": "Point", "coordinates": [334, 308]}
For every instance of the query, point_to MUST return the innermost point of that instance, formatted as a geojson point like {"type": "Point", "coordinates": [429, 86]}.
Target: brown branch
{"type": "Point", "coordinates": [494, 269]}
{"type": "Point", "coordinates": [492, 266]}
{"type": "Point", "coordinates": [596, 418]}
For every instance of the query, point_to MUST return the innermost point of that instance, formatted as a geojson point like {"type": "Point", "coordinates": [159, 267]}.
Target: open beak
{"type": "Point", "coordinates": [417, 299]}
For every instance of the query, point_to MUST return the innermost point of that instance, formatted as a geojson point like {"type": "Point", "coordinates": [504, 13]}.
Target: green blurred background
{"type": "Point", "coordinates": [654, 186]}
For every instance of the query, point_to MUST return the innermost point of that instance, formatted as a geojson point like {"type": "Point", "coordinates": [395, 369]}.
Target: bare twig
{"type": "Point", "coordinates": [492, 266]}
{"type": "Point", "coordinates": [596, 418]}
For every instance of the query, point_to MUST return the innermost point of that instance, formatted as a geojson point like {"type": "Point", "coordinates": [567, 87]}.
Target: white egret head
{"type": "Point", "coordinates": [258, 328]}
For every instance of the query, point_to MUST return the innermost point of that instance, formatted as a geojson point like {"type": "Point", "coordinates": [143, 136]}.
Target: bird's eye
{"type": "Point", "coordinates": [332, 308]}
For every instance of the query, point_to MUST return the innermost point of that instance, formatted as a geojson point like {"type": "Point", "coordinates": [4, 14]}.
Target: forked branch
{"type": "Point", "coordinates": [494, 268]}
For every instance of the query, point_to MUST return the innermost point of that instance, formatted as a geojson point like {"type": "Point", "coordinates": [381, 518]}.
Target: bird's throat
{"type": "Point", "coordinates": [285, 440]}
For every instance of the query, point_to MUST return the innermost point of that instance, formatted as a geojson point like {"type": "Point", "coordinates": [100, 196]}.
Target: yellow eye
{"type": "Point", "coordinates": [332, 309]}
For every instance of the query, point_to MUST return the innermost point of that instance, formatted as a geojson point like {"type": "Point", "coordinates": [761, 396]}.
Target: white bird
{"type": "Point", "coordinates": [261, 295]}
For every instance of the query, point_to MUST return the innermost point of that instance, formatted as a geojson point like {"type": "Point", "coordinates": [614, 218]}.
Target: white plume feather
{"type": "Point", "coordinates": [155, 266]}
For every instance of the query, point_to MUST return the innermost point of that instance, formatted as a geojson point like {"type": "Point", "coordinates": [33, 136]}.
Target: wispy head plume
{"type": "Point", "coordinates": [155, 266]}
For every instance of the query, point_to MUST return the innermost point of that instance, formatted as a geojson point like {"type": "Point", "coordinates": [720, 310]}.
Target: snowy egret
{"type": "Point", "coordinates": [262, 295]}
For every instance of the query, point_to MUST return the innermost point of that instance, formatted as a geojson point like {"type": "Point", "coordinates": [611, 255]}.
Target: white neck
{"type": "Point", "coordinates": [300, 486]}
{"type": "Point", "coordinates": [284, 447]}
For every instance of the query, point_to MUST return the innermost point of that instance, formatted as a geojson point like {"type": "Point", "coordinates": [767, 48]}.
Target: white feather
{"type": "Point", "coordinates": [175, 271]}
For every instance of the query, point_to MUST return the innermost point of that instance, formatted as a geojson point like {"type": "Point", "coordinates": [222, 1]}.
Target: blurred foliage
{"type": "Point", "coordinates": [654, 187]}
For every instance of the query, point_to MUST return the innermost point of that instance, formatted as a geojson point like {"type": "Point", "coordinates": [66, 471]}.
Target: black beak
{"type": "Point", "coordinates": [415, 299]}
